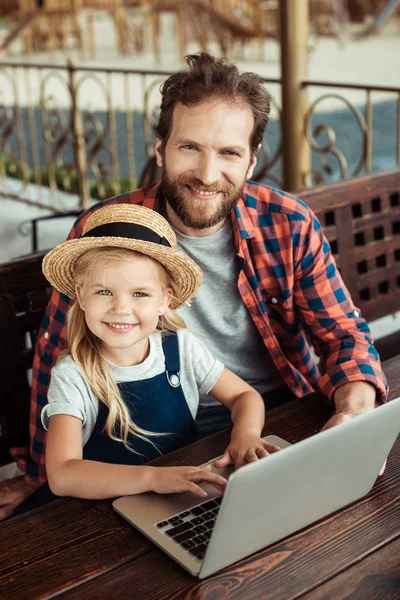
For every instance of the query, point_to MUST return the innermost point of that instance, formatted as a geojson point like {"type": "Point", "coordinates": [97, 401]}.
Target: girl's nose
{"type": "Point", "coordinates": [121, 306]}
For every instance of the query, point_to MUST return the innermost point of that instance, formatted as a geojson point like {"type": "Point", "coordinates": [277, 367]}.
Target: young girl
{"type": "Point", "coordinates": [127, 389]}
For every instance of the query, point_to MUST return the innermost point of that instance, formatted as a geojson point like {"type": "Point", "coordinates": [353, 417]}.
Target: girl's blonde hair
{"type": "Point", "coordinates": [84, 346]}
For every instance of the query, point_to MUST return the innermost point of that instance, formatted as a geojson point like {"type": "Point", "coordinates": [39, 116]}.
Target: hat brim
{"type": "Point", "coordinates": [186, 275]}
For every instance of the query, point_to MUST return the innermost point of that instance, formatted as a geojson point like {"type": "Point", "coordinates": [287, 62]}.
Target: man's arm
{"type": "Point", "coordinates": [338, 332]}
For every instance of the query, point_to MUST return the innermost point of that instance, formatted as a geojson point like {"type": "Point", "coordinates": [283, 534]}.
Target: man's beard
{"type": "Point", "coordinates": [192, 212]}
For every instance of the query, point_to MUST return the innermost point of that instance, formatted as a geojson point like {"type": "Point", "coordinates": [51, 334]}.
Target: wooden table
{"type": "Point", "coordinates": [83, 549]}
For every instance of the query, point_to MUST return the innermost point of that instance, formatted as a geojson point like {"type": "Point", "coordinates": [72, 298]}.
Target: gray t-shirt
{"type": "Point", "coordinates": [218, 313]}
{"type": "Point", "coordinates": [70, 393]}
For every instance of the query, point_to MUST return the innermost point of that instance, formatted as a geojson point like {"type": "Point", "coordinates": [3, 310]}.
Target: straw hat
{"type": "Point", "coordinates": [125, 226]}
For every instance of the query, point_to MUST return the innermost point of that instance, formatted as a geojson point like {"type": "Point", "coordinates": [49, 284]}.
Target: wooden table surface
{"type": "Point", "coordinates": [83, 549]}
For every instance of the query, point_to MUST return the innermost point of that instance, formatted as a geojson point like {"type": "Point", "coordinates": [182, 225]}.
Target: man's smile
{"type": "Point", "coordinates": [203, 194]}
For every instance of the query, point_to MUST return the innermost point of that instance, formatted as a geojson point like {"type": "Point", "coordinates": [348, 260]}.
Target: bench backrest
{"type": "Point", "coordinates": [24, 293]}
{"type": "Point", "coordinates": [361, 220]}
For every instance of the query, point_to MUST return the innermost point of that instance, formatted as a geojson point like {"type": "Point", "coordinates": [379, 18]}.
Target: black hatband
{"type": "Point", "coordinates": [128, 230]}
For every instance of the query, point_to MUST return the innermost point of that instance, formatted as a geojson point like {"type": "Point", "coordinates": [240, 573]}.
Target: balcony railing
{"type": "Point", "coordinates": [89, 131]}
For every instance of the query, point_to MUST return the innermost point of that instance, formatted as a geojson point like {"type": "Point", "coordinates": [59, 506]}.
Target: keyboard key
{"type": "Point", "coordinates": [198, 550]}
{"type": "Point", "coordinates": [197, 510]}
{"type": "Point", "coordinates": [184, 514]}
{"type": "Point", "coordinates": [208, 515]}
{"type": "Point", "coordinates": [175, 521]}
{"type": "Point", "coordinates": [199, 539]}
{"type": "Point", "coordinates": [197, 520]}
{"type": "Point", "coordinates": [215, 511]}
{"type": "Point", "coordinates": [162, 524]}
{"type": "Point", "coordinates": [188, 544]}
{"type": "Point", "coordinates": [207, 534]}
{"type": "Point", "coordinates": [209, 524]}
{"type": "Point", "coordinates": [199, 529]}
{"type": "Point", "coordinates": [218, 500]}
{"type": "Point", "coordinates": [183, 537]}
{"type": "Point", "coordinates": [201, 555]}
{"type": "Point", "coordinates": [209, 505]}
{"type": "Point", "coordinates": [178, 529]}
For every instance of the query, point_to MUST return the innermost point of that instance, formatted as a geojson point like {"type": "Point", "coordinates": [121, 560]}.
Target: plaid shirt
{"type": "Point", "coordinates": [289, 282]}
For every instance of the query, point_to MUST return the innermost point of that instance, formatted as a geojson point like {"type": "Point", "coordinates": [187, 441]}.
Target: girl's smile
{"type": "Point", "coordinates": [120, 328]}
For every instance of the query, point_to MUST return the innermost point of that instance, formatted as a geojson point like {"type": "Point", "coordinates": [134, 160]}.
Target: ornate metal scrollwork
{"type": "Point", "coordinates": [12, 156]}
{"type": "Point", "coordinates": [330, 148]}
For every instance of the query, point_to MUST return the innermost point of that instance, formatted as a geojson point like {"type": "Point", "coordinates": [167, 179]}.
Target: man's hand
{"type": "Point", "coordinates": [13, 492]}
{"type": "Point", "coordinates": [351, 400]}
{"type": "Point", "coordinates": [245, 448]}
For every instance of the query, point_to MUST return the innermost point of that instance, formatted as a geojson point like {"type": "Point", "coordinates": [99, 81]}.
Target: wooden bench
{"type": "Point", "coordinates": [24, 294]}
{"type": "Point", "coordinates": [361, 219]}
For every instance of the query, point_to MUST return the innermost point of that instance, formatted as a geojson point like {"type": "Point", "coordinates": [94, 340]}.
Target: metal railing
{"type": "Point", "coordinates": [89, 132]}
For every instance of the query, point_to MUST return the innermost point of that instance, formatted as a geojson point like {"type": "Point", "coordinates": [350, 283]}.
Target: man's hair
{"type": "Point", "coordinates": [208, 78]}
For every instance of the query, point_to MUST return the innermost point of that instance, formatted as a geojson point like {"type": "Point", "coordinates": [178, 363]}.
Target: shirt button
{"type": "Point", "coordinates": [274, 300]}
{"type": "Point", "coordinates": [356, 313]}
{"type": "Point", "coordinates": [46, 335]}
{"type": "Point", "coordinates": [174, 379]}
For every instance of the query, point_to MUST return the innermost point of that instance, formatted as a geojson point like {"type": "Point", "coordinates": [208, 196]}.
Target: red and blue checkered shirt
{"type": "Point", "coordinates": [288, 281]}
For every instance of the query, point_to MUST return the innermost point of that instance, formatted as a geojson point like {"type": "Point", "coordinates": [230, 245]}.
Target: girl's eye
{"type": "Point", "coordinates": [104, 293]}
{"type": "Point", "coordinates": [139, 295]}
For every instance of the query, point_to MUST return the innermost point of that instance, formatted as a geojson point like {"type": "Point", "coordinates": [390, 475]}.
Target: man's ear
{"type": "Point", "coordinates": [79, 296]}
{"type": "Point", "coordinates": [168, 295]}
{"type": "Point", "coordinates": [159, 152]}
{"type": "Point", "coordinates": [253, 163]}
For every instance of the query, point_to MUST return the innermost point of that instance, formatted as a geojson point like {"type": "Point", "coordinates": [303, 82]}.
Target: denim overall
{"type": "Point", "coordinates": [157, 404]}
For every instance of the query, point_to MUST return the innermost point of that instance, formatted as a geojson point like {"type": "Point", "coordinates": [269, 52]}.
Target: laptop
{"type": "Point", "coordinates": [270, 499]}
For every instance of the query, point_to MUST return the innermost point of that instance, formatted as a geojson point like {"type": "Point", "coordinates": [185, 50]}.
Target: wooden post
{"type": "Point", "coordinates": [294, 18]}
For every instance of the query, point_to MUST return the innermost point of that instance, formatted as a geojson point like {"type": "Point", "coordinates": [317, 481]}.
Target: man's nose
{"type": "Point", "coordinates": [208, 170]}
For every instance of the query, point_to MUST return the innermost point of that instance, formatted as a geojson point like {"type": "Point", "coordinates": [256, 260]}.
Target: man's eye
{"type": "Point", "coordinates": [231, 153]}
{"type": "Point", "coordinates": [188, 147]}
{"type": "Point", "coordinates": [104, 293]}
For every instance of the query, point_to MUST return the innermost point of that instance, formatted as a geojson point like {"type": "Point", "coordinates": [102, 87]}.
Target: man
{"type": "Point", "coordinates": [270, 283]}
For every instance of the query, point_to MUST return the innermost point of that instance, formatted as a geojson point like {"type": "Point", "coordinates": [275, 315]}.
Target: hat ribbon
{"type": "Point", "coordinates": [127, 230]}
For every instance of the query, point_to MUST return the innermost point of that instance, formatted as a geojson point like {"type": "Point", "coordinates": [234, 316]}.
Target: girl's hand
{"type": "Point", "coordinates": [170, 480]}
{"type": "Point", "coordinates": [245, 448]}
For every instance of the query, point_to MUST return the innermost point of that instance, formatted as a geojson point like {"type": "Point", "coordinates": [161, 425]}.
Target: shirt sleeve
{"type": "Point", "coordinates": [67, 394]}
{"type": "Point", "coordinates": [340, 335]}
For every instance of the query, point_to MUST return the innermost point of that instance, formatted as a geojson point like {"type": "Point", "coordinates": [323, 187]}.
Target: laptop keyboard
{"type": "Point", "coordinates": [192, 528]}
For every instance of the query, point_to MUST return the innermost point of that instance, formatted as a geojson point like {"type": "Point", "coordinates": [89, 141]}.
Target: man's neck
{"type": "Point", "coordinates": [177, 224]}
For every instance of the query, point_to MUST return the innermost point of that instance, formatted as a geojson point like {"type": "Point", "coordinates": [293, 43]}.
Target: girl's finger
{"type": "Point", "coordinates": [271, 448]}
{"type": "Point", "coordinates": [214, 478]}
{"type": "Point", "coordinates": [195, 489]}
{"type": "Point", "coordinates": [225, 459]}
{"type": "Point", "coordinates": [251, 456]}
{"type": "Point", "coordinates": [262, 452]}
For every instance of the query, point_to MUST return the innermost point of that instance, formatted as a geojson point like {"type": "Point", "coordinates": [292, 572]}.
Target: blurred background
{"type": "Point", "coordinates": [79, 94]}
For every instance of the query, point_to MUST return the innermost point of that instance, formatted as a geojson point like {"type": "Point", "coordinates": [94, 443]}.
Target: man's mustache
{"type": "Point", "coordinates": [200, 187]}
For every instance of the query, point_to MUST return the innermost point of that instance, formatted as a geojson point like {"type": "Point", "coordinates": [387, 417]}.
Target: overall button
{"type": "Point", "coordinates": [174, 379]}
{"type": "Point", "coordinates": [274, 300]}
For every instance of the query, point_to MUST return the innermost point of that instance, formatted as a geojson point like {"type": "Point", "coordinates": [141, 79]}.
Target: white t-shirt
{"type": "Point", "coordinates": [70, 393]}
